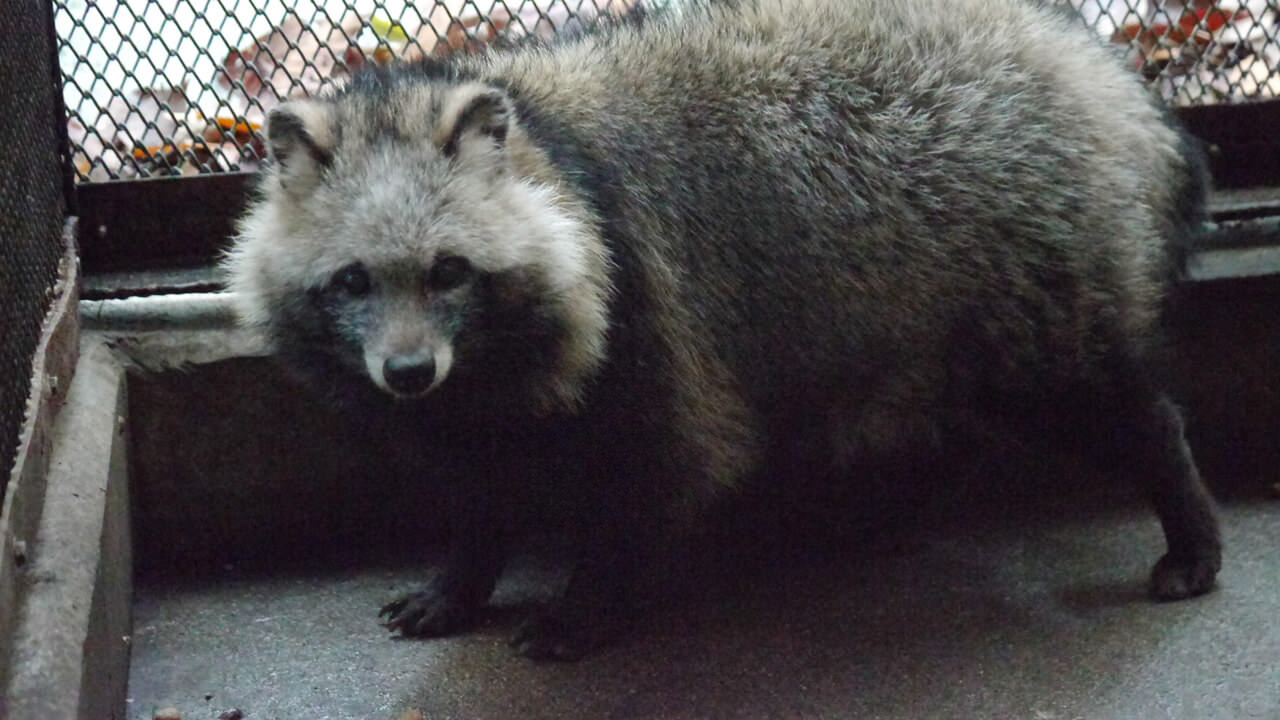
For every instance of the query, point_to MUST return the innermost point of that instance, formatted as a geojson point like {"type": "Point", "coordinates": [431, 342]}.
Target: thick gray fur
{"type": "Point", "coordinates": [690, 239]}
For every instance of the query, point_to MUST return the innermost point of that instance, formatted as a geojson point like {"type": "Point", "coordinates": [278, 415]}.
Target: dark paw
{"type": "Point", "coordinates": [564, 633]}
{"type": "Point", "coordinates": [1178, 577]}
{"type": "Point", "coordinates": [427, 614]}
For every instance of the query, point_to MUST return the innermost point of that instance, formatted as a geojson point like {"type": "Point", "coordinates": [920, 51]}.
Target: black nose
{"type": "Point", "coordinates": [409, 374]}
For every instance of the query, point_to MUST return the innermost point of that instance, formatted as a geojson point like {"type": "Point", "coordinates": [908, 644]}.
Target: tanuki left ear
{"type": "Point", "coordinates": [475, 116]}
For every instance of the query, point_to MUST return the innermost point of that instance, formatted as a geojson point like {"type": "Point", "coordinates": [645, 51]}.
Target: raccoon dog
{"type": "Point", "coordinates": [648, 257]}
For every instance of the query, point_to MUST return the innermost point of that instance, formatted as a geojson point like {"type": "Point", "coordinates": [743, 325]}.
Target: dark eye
{"type": "Point", "coordinates": [352, 279]}
{"type": "Point", "coordinates": [449, 272]}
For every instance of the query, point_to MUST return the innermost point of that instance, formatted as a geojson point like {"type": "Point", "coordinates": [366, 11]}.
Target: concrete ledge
{"type": "Point", "coordinates": [1225, 263]}
{"type": "Point", "coordinates": [52, 367]}
{"type": "Point", "coordinates": [70, 641]}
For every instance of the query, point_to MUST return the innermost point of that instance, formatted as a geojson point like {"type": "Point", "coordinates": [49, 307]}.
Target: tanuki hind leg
{"type": "Point", "coordinates": [1144, 438]}
{"type": "Point", "coordinates": [1185, 509]}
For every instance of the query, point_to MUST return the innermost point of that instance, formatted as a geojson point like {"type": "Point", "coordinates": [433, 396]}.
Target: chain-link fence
{"type": "Point", "coordinates": [182, 86]}
{"type": "Point", "coordinates": [1195, 52]}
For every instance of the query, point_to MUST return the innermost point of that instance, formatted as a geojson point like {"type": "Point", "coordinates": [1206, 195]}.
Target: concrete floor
{"type": "Point", "coordinates": [1024, 604]}
{"type": "Point", "coordinates": [1042, 618]}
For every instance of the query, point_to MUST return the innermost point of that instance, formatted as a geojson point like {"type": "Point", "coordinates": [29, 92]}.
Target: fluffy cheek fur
{"type": "Point", "coordinates": [319, 345]}
{"type": "Point", "coordinates": [511, 339]}
{"type": "Point", "coordinates": [544, 253]}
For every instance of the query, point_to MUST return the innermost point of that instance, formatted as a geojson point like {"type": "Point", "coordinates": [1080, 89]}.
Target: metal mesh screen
{"type": "Point", "coordinates": [31, 204]}
{"type": "Point", "coordinates": [180, 87]}
{"type": "Point", "coordinates": [1195, 52]}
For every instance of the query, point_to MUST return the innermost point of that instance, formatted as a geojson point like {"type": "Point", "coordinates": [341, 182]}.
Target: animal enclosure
{"type": "Point", "coordinates": [246, 509]}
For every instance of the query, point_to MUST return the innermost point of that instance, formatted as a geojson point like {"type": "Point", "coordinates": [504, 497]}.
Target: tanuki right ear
{"type": "Point", "coordinates": [301, 138]}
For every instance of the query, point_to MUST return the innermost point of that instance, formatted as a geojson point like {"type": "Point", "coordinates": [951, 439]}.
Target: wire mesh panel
{"type": "Point", "coordinates": [31, 204]}
{"type": "Point", "coordinates": [1195, 52]}
{"type": "Point", "coordinates": [181, 86]}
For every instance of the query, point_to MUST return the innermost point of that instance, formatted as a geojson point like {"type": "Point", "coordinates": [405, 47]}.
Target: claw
{"type": "Point", "coordinates": [391, 609]}
{"type": "Point", "coordinates": [426, 614]}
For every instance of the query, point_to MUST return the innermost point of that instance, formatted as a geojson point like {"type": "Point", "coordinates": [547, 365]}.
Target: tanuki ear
{"type": "Point", "coordinates": [476, 117]}
{"type": "Point", "coordinates": [301, 138]}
